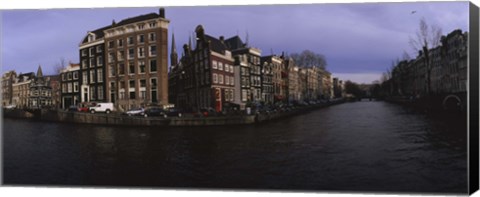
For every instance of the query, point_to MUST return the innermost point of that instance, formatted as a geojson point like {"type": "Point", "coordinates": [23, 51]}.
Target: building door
{"type": "Point", "coordinates": [154, 96]}
{"type": "Point", "coordinates": [218, 99]}
{"type": "Point", "coordinates": [112, 97]}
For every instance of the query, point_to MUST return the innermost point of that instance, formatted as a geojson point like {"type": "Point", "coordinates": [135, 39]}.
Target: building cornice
{"type": "Point", "coordinates": [90, 44]}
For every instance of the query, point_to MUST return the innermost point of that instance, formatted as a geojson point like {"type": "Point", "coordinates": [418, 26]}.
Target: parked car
{"type": "Point", "coordinates": [10, 107]}
{"type": "Point", "coordinates": [72, 108]}
{"type": "Point", "coordinates": [171, 112]}
{"type": "Point", "coordinates": [208, 112]}
{"type": "Point", "coordinates": [135, 112]}
{"type": "Point", "coordinates": [84, 107]}
{"type": "Point", "coordinates": [154, 111]}
{"type": "Point", "coordinates": [101, 107]}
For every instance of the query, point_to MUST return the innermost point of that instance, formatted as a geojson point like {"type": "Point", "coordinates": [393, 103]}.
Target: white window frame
{"type": "Point", "coordinates": [215, 78]}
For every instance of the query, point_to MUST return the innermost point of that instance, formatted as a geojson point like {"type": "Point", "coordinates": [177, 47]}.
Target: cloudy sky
{"type": "Point", "coordinates": [358, 40]}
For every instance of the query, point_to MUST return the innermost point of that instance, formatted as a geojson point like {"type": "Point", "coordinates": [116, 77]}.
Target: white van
{"type": "Point", "coordinates": [101, 107]}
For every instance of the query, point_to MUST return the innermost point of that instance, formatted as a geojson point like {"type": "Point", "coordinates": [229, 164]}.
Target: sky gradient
{"type": "Point", "coordinates": [358, 40]}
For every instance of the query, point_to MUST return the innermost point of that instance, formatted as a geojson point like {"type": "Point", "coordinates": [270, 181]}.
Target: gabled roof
{"type": "Point", "coordinates": [234, 43]}
{"type": "Point", "coordinates": [28, 76]}
{"type": "Point", "coordinates": [98, 33]}
{"type": "Point", "coordinates": [215, 44]}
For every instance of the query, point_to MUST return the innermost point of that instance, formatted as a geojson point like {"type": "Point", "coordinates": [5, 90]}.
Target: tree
{"type": "Point", "coordinates": [353, 88]}
{"type": "Point", "coordinates": [60, 66]}
{"type": "Point", "coordinates": [309, 59]}
{"type": "Point", "coordinates": [427, 37]}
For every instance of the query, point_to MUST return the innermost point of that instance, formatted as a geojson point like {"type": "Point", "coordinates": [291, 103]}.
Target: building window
{"type": "Point", "coordinates": [75, 86]}
{"type": "Point", "coordinates": [69, 76]}
{"type": "Point", "coordinates": [220, 66]}
{"type": "Point", "coordinates": [84, 52]}
{"type": "Point", "coordinates": [153, 83]}
{"type": "Point", "coordinates": [64, 88]}
{"type": "Point", "coordinates": [153, 65]}
{"type": "Point", "coordinates": [120, 43]}
{"type": "Point", "coordinates": [100, 92]}
{"type": "Point", "coordinates": [69, 88]}
{"type": "Point", "coordinates": [84, 63]}
{"type": "Point", "coordinates": [121, 69]}
{"type": "Point", "coordinates": [131, 53]}
{"type": "Point", "coordinates": [227, 68]}
{"type": "Point", "coordinates": [99, 75]}
{"type": "Point", "coordinates": [143, 83]}
{"type": "Point", "coordinates": [215, 80]}
{"type": "Point", "coordinates": [111, 70]}
{"type": "Point", "coordinates": [232, 81]}
{"type": "Point", "coordinates": [141, 65]}
{"type": "Point", "coordinates": [111, 57]}
{"type": "Point", "coordinates": [121, 55]}
{"type": "Point", "coordinates": [227, 80]}
{"type": "Point", "coordinates": [141, 26]}
{"type": "Point", "coordinates": [100, 60]}
{"type": "Point", "coordinates": [111, 44]}
{"type": "Point", "coordinates": [63, 77]}
{"type": "Point", "coordinates": [152, 24]}
{"type": "Point", "coordinates": [85, 77]}
{"type": "Point", "coordinates": [99, 49]}
{"type": "Point", "coordinates": [153, 50]}
{"type": "Point", "coordinates": [141, 52]}
{"type": "Point", "coordinates": [92, 62]}
{"type": "Point", "coordinates": [214, 64]}
{"type": "Point", "coordinates": [92, 76]}
{"type": "Point", "coordinates": [152, 36]}
{"type": "Point", "coordinates": [130, 40]}
{"type": "Point", "coordinates": [141, 38]}
{"type": "Point", "coordinates": [131, 68]}
{"type": "Point", "coordinates": [220, 79]}
{"type": "Point", "coordinates": [131, 84]}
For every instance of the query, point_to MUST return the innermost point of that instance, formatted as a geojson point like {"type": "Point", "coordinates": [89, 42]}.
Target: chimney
{"type": "Point", "coordinates": [161, 12]}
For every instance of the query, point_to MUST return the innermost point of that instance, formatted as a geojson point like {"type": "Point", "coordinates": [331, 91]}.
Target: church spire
{"type": "Point", "coordinates": [39, 72]}
{"type": "Point", "coordinates": [173, 54]}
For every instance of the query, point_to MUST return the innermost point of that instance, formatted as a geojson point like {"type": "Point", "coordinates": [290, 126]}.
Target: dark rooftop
{"type": "Point", "coordinates": [215, 44]}
{"type": "Point", "coordinates": [234, 43]}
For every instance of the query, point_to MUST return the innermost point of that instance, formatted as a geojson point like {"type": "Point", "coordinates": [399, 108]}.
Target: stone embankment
{"type": "Point", "coordinates": [122, 120]}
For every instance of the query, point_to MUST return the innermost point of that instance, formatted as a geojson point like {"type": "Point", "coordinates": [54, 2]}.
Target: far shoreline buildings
{"type": "Point", "coordinates": [126, 63]}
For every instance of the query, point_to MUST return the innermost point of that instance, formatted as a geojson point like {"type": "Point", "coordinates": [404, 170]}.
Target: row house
{"type": "Point", "coordinates": [206, 73]}
{"type": "Point", "coordinates": [70, 86]}
{"type": "Point", "coordinates": [446, 71]}
{"type": "Point", "coordinates": [454, 58]}
{"type": "Point", "coordinates": [8, 79]}
{"type": "Point", "coordinates": [287, 64]}
{"type": "Point", "coordinates": [269, 88]}
{"type": "Point", "coordinates": [40, 91]}
{"type": "Point", "coordinates": [54, 81]}
{"type": "Point", "coordinates": [294, 90]}
{"type": "Point", "coordinates": [247, 61]}
{"type": "Point", "coordinates": [325, 84]}
{"type": "Point", "coordinates": [21, 90]}
{"type": "Point", "coordinates": [126, 62]}
{"type": "Point", "coordinates": [91, 76]}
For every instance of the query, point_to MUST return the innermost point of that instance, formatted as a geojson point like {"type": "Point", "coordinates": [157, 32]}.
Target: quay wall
{"type": "Point", "coordinates": [122, 120]}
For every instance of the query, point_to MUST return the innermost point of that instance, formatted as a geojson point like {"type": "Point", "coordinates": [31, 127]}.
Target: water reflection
{"type": "Point", "coordinates": [367, 146]}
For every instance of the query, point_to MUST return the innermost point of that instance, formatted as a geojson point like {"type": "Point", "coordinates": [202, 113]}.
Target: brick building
{"type": "Point", "coordinates": [8, 79]}
{"type": "Point", "coordinates": [70, 87]}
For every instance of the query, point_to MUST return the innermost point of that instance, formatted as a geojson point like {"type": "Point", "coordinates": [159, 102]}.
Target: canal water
{"type": "Point", "coordinates": [361, 146]}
